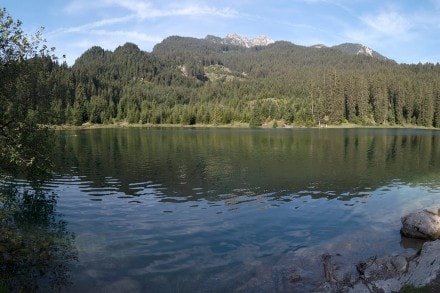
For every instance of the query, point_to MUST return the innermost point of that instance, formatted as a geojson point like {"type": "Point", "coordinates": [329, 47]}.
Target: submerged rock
{"type": "Point", "coordinates": [385, 274]}
{"type": "Point", "coordinates": [423, 224]}
{"type": "Point", "coordinates": [386, 267]}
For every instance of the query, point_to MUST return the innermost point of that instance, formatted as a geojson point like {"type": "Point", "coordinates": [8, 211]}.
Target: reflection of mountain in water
{"type": "Point", "coordinates": [332, 163]}
{"type": "Point", "coordinates": [36, 250]}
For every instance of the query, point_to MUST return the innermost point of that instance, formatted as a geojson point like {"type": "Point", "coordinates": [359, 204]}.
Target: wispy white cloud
{"type": "Point", "coordinates": [128, 20]}
{"type": "Point", "coordinates": [147, 9]}
{"type": "Point", "coordinates": [107, 39]}
{"type": "Point", "coordinates": [399, 31]}
{"type": "Point", "coordinates": [408, 28]}
{"type": "Point", "coordinates": [390, 23]}
{"type": "Point", "coordinates": [133, 36]}
{"type": "Point", "coordinates": [137, 10]}
{"type": "Point", "coordinates": [79, 6]}
{"type": "Point", "coordinates": [343, 4]}
{"type": "Point", "coordinates": [386, 26]}
{"type": "Point", "coordinates": [194, 10]}
{"type": "Point", "coordinates": [112, 39]}
{"type": "Point", "coordinates": [93, 25]}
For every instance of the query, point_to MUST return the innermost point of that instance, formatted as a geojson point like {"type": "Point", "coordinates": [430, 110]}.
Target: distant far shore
{"type": "Point", "coordinates": [236, 125]}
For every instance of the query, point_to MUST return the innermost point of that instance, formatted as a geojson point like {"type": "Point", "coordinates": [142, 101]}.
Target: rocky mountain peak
{"type": "Point", "coordinates": [237, 40]}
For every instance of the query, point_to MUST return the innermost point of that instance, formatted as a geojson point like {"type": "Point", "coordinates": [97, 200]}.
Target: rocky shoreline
{"type": "Point", "coordinates": [384, 274]}
{"type": "Point", "coordinates": [390, 273]}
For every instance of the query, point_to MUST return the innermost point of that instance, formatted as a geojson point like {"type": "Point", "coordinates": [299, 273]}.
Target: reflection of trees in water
{"type": "Point", "coordinates": [35, 247]}
{"type": "Point", "coordinates": [330, 163]}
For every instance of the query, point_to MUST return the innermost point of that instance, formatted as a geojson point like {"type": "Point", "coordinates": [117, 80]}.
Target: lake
{"type": "Point", "coordinates": [223, 210]}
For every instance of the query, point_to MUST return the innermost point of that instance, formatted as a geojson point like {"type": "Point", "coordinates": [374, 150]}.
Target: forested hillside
{"type": "Point", "coordinates": [187, 81]}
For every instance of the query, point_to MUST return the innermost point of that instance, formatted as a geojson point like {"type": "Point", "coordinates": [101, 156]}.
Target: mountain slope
{"type": "Point", "coordinates": [176, 45]}
{"type": "Point", "coordinates": [277, 59]}
{"type": "Point", "coordinates": [210, 81]}
{"type": "Point", "coordinates": [358, 49]}
{"type": "Point", "coordinates": [233, 42]}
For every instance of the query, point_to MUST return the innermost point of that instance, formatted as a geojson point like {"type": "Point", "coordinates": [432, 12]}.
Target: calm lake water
{"type": "Point", "coordinates": [219, 210]}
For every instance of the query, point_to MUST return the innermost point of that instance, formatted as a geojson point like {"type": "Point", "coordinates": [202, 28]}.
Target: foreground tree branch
{"type": "Point", "coordinates": [24, 144]}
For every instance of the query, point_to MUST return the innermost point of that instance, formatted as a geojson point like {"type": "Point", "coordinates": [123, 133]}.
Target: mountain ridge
{"type": "Point", "coordinates": [189, 81]}
{"type": "Point", "coordinates": [237, 42]}
{"type": "Point", "coordinates": [358, 49]}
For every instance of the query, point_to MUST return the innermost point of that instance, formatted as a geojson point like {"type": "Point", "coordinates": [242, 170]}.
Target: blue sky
{"type": "Point", "coordinates": [407, 31]}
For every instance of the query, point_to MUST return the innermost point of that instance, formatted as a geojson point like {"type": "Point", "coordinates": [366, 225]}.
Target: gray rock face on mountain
{"type": "Point", "coordinates": [423, 224]}
{"type": "Point", "coordinates": [359, 49]}
{"type": "Point", "coordinates": [237, 40]}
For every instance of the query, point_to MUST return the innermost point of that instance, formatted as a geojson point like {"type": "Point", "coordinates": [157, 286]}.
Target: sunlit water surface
{"type": "Point", "coordinates": [184, 210]}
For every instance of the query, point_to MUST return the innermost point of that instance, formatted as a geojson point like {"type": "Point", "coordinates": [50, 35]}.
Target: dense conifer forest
{"type": "Point", "coordinates": [187, 81]}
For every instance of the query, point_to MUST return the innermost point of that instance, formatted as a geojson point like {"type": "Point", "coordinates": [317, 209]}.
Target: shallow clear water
{"type": "Point", "coordinates": [218, 210]}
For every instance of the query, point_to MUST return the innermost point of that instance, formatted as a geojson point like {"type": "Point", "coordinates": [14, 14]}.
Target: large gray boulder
{"type": "Point", "coordinates": [424, 268]}
{"type": "Point", "coordinates": [424, 224]}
